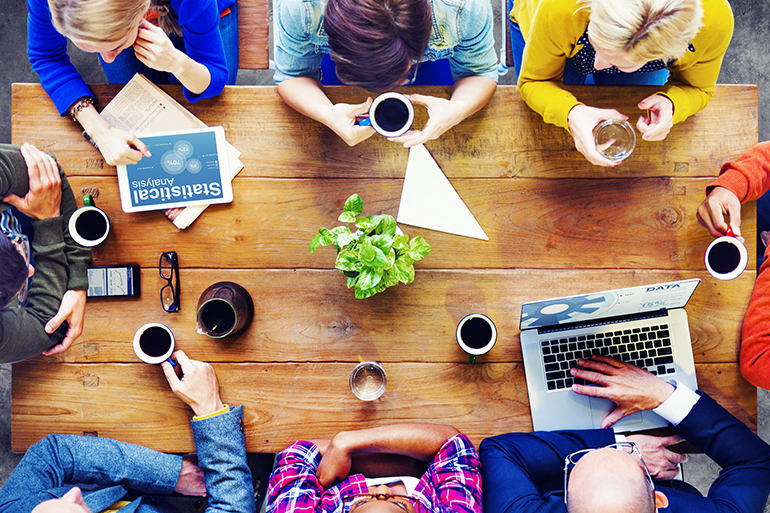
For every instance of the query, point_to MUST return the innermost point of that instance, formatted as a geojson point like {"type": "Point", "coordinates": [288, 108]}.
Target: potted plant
{"type": "Point", "coordinates": [374, 257]}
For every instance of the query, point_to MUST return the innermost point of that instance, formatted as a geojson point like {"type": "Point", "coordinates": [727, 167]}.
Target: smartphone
{"type": "Point", "coordinates": [114, 281]}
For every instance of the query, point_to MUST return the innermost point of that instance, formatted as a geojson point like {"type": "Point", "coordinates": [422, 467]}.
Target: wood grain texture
{"type": "Point", "coordinates": [505, 139]}
{"type": "Point", "coordinates": [310, 316]}
{"type": "Point", "coordinates": [576, 223]}
{"type": "Point", "coordinates": [287, 402]}
{"type": "Point", "coordinates": [253, 25]}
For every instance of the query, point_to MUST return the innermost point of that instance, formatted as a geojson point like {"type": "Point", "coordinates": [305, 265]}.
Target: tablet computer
{"type": "Point", "coordinates": [187, 167]}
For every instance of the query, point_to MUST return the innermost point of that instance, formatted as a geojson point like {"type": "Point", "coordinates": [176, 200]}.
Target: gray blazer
{"type": "Point", "coordinates": [106, 469]}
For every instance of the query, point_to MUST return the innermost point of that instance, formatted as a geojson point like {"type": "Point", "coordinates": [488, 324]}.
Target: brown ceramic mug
{"type": "Point", "coordinates": [225, 309]}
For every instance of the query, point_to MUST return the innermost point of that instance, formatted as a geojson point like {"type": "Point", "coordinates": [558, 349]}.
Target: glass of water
{"type": "Point", "coordinates": [367, 381]}
{"type": "Point", "coordinates": [615, 139]}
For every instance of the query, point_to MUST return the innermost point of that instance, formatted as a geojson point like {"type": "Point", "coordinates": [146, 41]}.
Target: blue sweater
{"type": "Point", "coordinates": [47, 50]}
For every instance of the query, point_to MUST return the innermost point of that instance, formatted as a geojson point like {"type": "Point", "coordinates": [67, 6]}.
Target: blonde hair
{"type": "Point", "coordinates": [106, 21]}
{"type": "Point", "coordinates": [646, 30]}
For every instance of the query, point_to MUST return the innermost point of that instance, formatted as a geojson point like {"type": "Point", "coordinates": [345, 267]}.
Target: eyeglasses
{"type": "Point", "coordinates": [169, 270]}
{"type": "Point", "coordinates": [353, 502]}
{"type": "Point", "coordinates": [628, 447]}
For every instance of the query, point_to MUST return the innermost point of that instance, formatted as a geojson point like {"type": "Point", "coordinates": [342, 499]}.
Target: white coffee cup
{"type": "Point", "coordinates": [391, 114]}
{"type": "Point", "coordinates": [88, 225]}
{"type": "Point", "coordinates": [476, 335]}
{"type": "Point", "coordinates": [726, 257]}
{"type": "Point", "coordinates": [153, 343]}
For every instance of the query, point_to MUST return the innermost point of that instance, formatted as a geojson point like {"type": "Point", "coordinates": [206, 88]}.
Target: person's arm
{"type": "Point", "coordinates": [524, 472]}
{"type": "Point", "coordinates": [474, 69]}
{"type": "Point", "coordinates": [219, 436]}
{"type": "Point", "coordinates": [21, 329]}
{"type": "Point", "coordinates": [47, 51]}
{"type": "Point", "coordinates": [551, 40]}
{"type": "Point", "coordinates": [755, 333]}
{"type": "Point", "coordinates": [59, 460]}
{"type": "Point", "coordinates": [202, 69]}
{"type": "Point", "coordinates": [454, 476]}
{"type": "Point", "coordinates": [744, 479]}
{"type": "Point", "coordinates": [298, 70]}
{"type": "Point", "coordinates": [742, 180]}
{"type": "Point", "coordinates": [690, 86]}
{"type": "Point", "coordinates": [418, 441]}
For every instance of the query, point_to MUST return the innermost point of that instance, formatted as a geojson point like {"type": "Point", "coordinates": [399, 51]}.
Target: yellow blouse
{"type": "Point", "coordinates": [551, 29]}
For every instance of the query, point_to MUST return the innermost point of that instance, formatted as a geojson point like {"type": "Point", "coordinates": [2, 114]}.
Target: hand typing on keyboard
{"type": "Point", "coordinates": [631, 388]}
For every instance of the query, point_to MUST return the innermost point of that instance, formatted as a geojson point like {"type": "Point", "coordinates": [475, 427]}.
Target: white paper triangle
{"type": "Point", "coordinates": [429, 200]}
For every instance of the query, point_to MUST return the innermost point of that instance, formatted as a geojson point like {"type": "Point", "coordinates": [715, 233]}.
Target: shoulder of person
{"type": "Point", "coordinates": [293, 14]}
{"type": "Point", "coordinates": [718, 22]}
{"type": "Point", "coordinates": [562, 16]}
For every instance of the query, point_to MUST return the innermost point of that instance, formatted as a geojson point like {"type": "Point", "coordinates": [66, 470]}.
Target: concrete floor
{"type": "Point", "coordinates": [747, 61]}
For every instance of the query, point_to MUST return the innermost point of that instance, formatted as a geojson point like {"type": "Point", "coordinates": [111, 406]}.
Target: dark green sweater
{"type": "Point", "coordinates": [60, 265]}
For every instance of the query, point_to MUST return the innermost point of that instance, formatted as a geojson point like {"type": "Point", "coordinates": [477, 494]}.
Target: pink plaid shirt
{"type": "Point", "coordinates": [451, 483]}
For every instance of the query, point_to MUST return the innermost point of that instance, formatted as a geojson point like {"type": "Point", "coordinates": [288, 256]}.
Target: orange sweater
{"type": "Point", "coordinates": [748, 177]}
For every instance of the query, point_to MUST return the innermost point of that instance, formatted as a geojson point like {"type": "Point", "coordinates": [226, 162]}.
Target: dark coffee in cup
{"type": "Point", "coordinates": [217, 316]}
{"type": "Point", "coordinates": [155, 341]}
{"type": "Point", "coordinates": [91, 225]}
{"type": "Point", "coordinates": [724, 257]}
{"type": "Point", "coordinates": [476, 332]}
{"type": "Point", "coordinates": [391, 114]}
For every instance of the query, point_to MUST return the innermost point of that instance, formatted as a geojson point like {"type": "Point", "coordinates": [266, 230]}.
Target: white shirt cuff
{"type": "Point", "coordinates": [678, 406]}
{"type": "Point", "coordinates": [620, 438]}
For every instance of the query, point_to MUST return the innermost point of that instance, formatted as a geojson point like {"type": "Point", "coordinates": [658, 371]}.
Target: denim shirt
{"type": "Point", "coordinates": [461, 32]}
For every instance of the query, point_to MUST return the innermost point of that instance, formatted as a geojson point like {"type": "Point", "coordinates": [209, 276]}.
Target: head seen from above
{"type": "Point", "coordinates": [635, 32]}
{"type": "Point", "coordinates": [13, 271]}
{"type": "Point", "coordinates": [104, 26]}
{"type": "Point", "coordinates": [375, 42]}
{"type": "Point", "coordinates": [610, 480]}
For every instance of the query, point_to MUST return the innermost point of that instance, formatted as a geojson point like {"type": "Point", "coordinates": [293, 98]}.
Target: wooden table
{"type": "Point", "coordinates": [556, 224]}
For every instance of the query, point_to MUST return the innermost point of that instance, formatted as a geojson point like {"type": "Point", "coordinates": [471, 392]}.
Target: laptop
{"type": "Point", "coordinates": [646, 326]}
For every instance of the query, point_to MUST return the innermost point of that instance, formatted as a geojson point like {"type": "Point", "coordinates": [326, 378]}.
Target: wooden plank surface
{"type": "Point", "coordinates": [291, 401]}
{"type": "Point", "coordinates": [310, 316]}
{"type": "Point", "coordinates": [575, 223]}
{"type": "Point", "coordinates": [505, 139]}
{"type": "Point", "coordinates": [557, 226]}
{"type": "Point", "coordinates": [253, 24]}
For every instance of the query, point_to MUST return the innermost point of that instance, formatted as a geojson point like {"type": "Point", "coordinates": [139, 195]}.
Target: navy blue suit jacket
{"type": "Point", "coordinates": [106, 469]}
{"type": "Point", "coordinates": [524, 472]}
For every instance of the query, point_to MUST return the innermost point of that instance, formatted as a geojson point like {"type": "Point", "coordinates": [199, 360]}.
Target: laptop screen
{"type": "Point", "coordinates": [611, 303]}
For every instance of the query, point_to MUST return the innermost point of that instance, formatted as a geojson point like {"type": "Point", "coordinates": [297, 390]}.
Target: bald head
{"type": "Point", "coordinates": [609, 480]}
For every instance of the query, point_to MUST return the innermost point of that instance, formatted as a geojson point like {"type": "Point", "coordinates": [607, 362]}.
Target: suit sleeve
{"type": "Point", "coordinates": [61, 460]}
{"type": "Point", "coordinates": [744, 481]}
{"type": "Point", "coordinates": [524, 472]}
{"type": "Point", "coordinates": [47, 51]}
{"type": "Point", "coordinates": [221, 448]}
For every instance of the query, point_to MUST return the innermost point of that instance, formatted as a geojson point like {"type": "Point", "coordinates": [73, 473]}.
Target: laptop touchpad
{"type": "Point", "coordinates": [600, 408]}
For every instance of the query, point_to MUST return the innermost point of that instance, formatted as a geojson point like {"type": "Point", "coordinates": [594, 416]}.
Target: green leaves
{"type": "Point", "coordinates": [374, 258]}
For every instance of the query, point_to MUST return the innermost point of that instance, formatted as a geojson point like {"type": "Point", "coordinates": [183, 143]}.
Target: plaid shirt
{"type": "Point", "coordinates": [452, 482]}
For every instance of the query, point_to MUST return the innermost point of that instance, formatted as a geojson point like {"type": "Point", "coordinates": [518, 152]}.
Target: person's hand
{"type": "Point", "coordinates": [119, 148]}
{"type": "Point", "coordinates": [44, 196]}
{"type": "Point", "coordinates": [335, 463]}
{"type": "Point", "coordinates": [661, 120]}
{"type": "Point", "coordinates": [73, 310]}
{"type": "Point", "coordinates": [198, 387]}
{"type": "Point", "coordinates": [191, 479]}
{"type": "Point", "coordinates": [155, 50]}
{"type": "Point", "coordinates": [341, 118]}
{"type": "Point", "coordinates": [581, 120]}
{"type": "Point", "coordinates": [632, 389]}
{"type": "Point", "coordinates": [661, 461]}
{"type": "Point", "coordinates": [711, 213]}
{"type": "Point", "coordinates": [443, 115]}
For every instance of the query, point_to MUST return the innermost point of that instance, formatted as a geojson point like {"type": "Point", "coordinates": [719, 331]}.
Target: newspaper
{"type": "Point", "coordinates": [141, 106]}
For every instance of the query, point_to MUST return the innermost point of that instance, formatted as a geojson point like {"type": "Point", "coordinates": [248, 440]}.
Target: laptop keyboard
{"type": "Point", "coordinates": [647, 347]}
